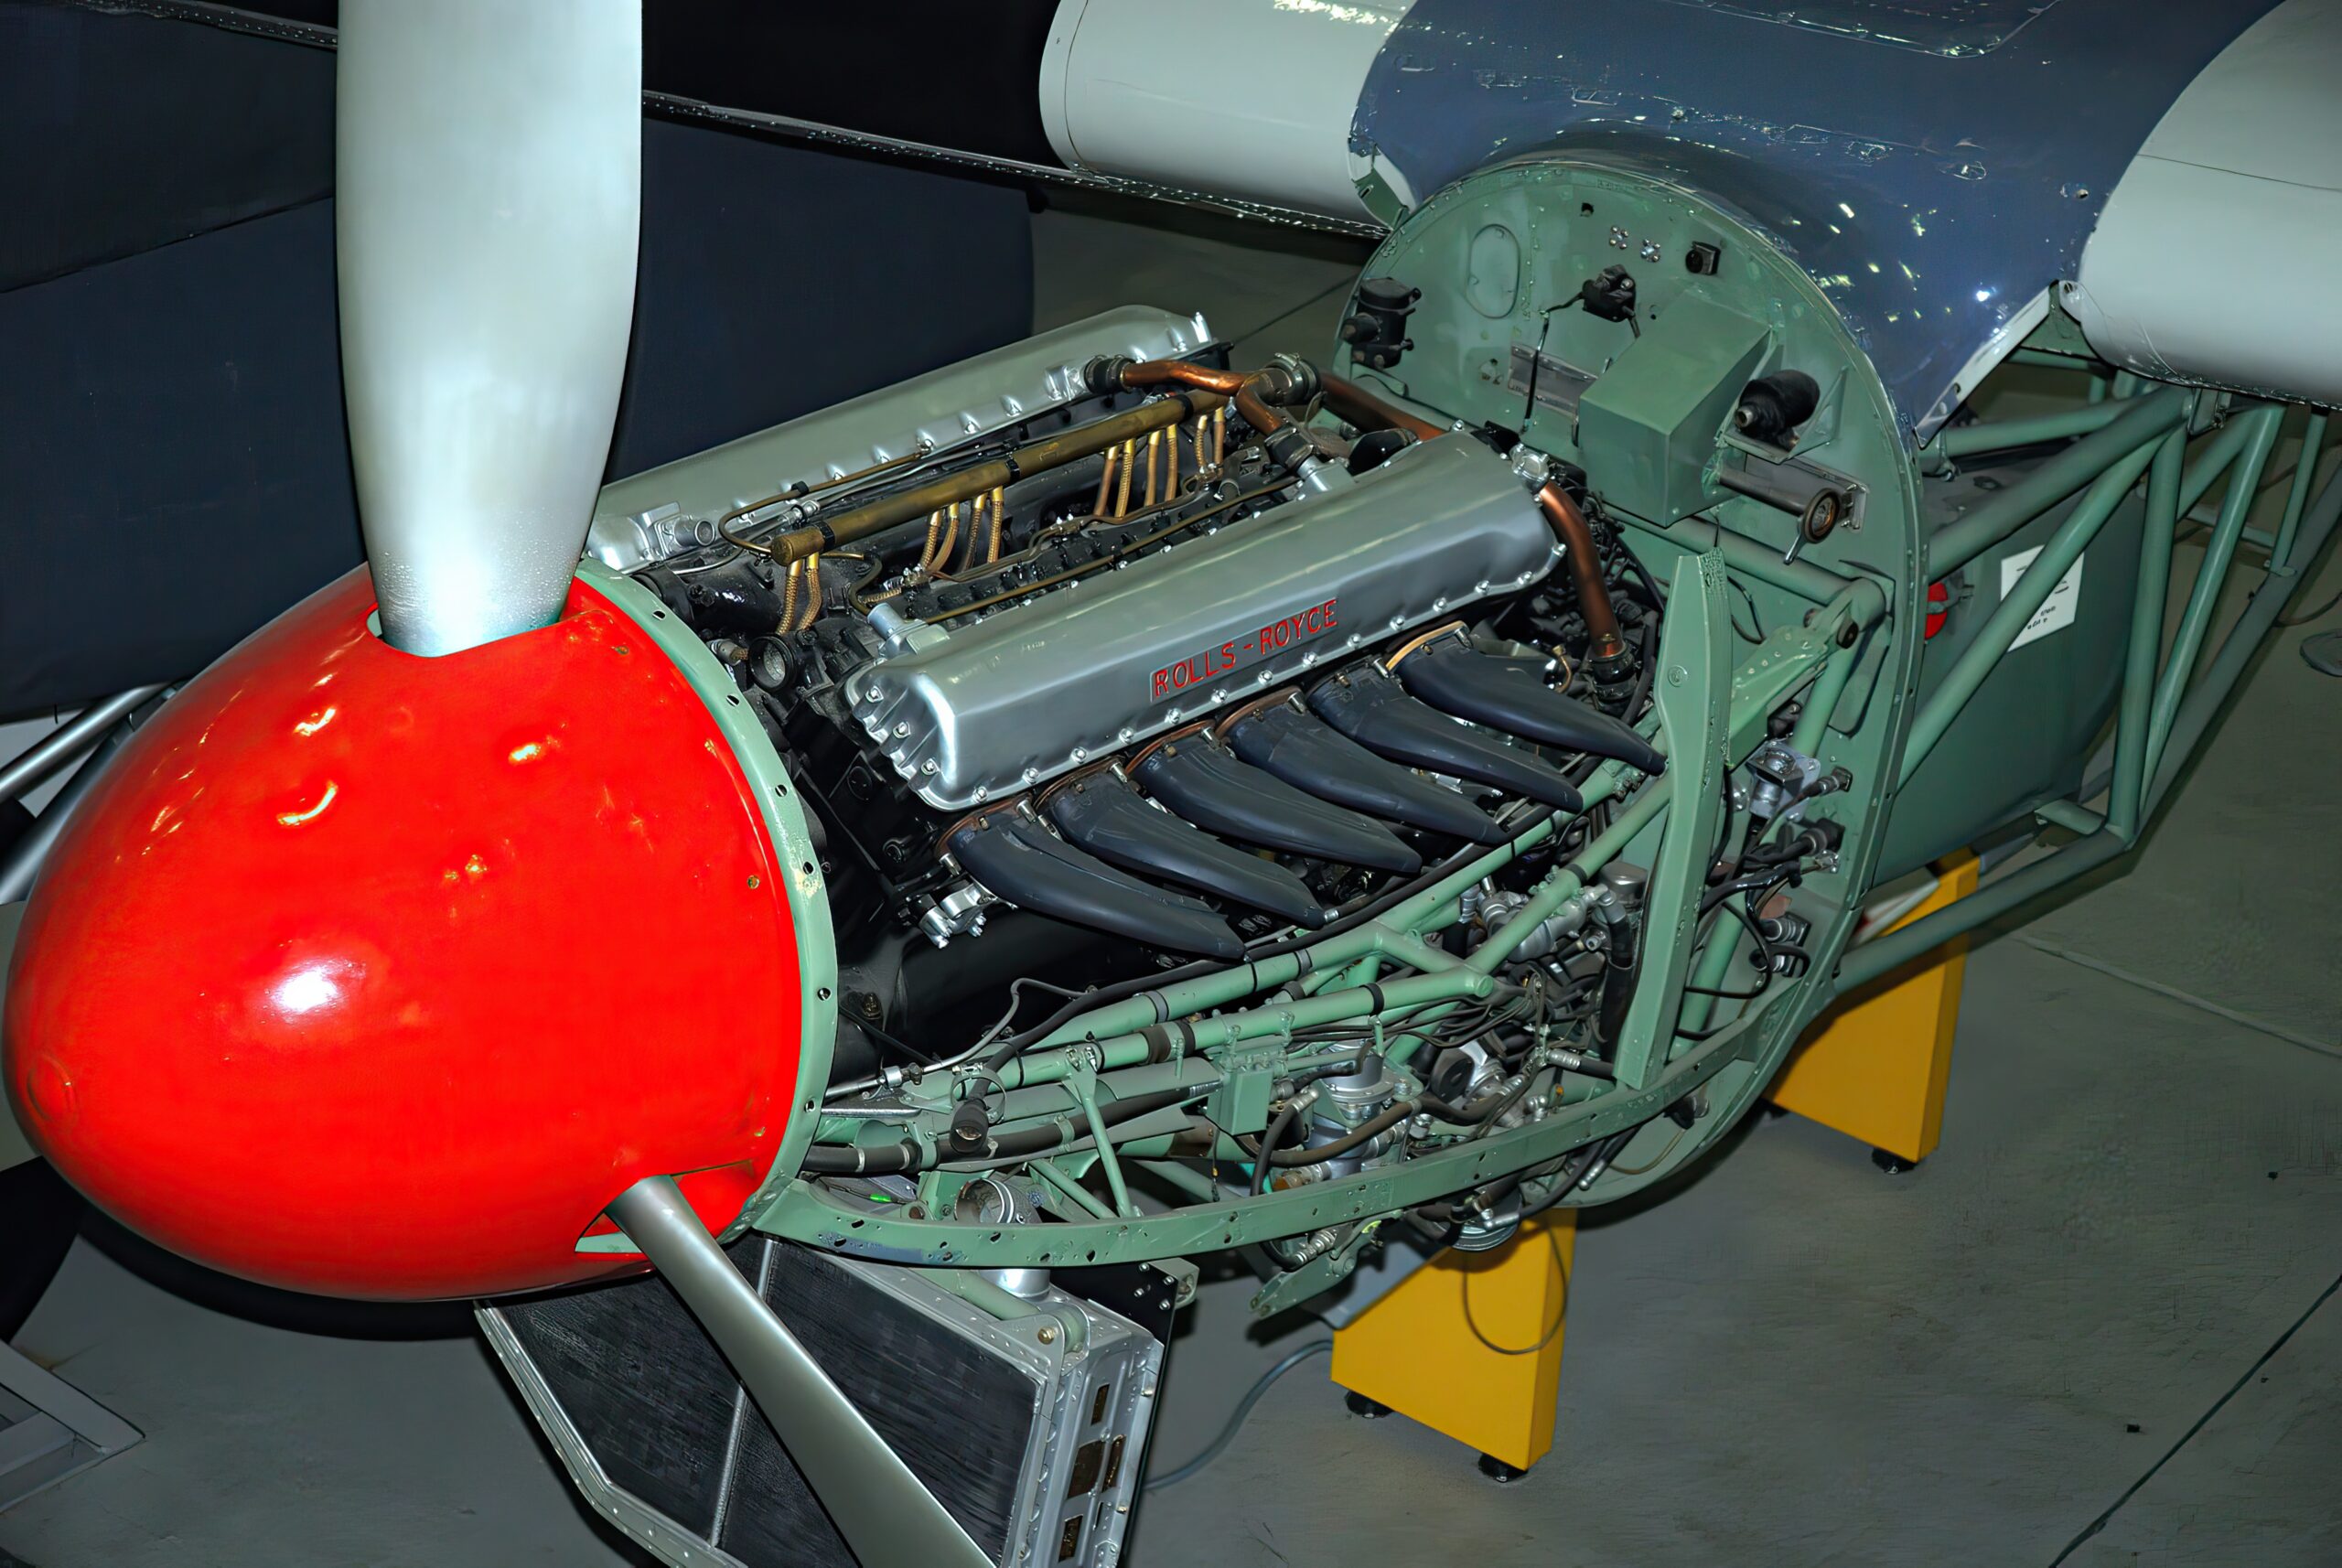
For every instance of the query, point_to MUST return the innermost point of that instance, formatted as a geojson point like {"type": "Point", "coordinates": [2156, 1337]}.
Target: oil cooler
{"type": "Point", "coordinates": [1029, 1430]}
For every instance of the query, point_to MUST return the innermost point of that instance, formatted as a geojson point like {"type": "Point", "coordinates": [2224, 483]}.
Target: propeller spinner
{"type": "Point", "coordinates": [315, 987]}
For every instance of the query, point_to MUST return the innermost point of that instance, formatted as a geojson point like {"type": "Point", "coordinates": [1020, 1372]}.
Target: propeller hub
{"type": "Point", "coordinates": [380, 975]}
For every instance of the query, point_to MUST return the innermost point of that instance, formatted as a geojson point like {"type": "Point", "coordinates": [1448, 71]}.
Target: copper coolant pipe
{"type": "Point", "coordinates": [1569, 525]}
{"type": "Point", "coordinates": [1344, 397]}
{"type": "Point", "coordinates": [1353, 403]}
{"type": "Point", "coordinates": [1249, 391]}
{"type": "Point", "coordinates": [875, 516]}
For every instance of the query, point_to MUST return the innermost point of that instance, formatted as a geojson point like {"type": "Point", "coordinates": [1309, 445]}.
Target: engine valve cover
{"type": "Point", "coordinates": [1044, 687]}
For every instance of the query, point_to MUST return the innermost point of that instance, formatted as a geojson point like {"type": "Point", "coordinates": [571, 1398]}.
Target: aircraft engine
{"type": "Point", "coordinates": [1108, 802]}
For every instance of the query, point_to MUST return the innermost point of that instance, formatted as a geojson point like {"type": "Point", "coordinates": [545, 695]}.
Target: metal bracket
{"type": "Point", "coordinates": [1314, 1278]}
{"type": "Point", "coordinates": [1693, 682]}
{"type": "Point", "coordinates": [1557, 384]}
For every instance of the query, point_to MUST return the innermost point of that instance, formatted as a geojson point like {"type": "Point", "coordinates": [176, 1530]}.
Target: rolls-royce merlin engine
{"type": "Point", "coordinates": [936, 866]}
{"type": "Point", "coordinates": [1128, 660]}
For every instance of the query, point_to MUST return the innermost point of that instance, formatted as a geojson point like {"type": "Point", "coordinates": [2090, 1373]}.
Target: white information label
{"type": "Point", "coordinates": [2056, 611]}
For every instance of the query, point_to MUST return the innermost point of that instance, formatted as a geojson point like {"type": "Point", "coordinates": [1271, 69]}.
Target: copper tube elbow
{"type": "Point", "coordinates": [1362, 408]}
{"type": "Point", "coordinates": [1165, 372]}
{"type": "Point", "coordinates": [1569, 526]}
{"type": "Point", "coordinates": [1249, 391]}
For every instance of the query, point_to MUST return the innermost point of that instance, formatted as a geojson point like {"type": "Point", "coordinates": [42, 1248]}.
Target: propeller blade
{"type": "Point", "coordinates": [880, 1508]}
{"type": "Point", "coordinates": [489, 192]}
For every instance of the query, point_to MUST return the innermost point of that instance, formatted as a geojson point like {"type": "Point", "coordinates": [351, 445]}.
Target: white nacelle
{"type": "Point", "coordinates": [2215, 259]}
{"type": "Point", "coordinates": [1237, 97]}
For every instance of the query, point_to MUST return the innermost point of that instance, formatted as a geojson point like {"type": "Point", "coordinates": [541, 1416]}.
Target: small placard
{"type": "Point", "coordinates": [2056, 611]}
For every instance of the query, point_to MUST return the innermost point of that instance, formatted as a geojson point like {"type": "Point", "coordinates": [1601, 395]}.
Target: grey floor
{"type": "Point", "coordinates": [2096, 1328]}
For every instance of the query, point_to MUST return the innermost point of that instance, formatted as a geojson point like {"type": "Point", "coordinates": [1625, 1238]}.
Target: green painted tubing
{"type": "Point", "coordinates": [2180, 666]}
{"type": "Point", "coordinates": [1708, 973]}
{"type": "Point", "coordinates": [2143, 422]}
{"type": "Point", "coordinates": [1883, 955]}
{"type": "Point", "coordinates": [2260, 613]}
{"type": "Point", "coordinates": [1208, 992]}
{"type": "Point", "coordinates": [1813, 719]}
{"type": "Point", "coordinates": [1087, 1100]}
{"type": "Point", "coordinates": [1126, 1046]}
{"type": "Point", "coordinates": [1044, 1098]}
{"type": "Point", "coordinates": [1817, 584]}
{"type": "Point", "coordinates": [1079, 1195]}
{"type": "Point", "coordinates": [1990, 902]}
{"type": "Point", "coordinates": [1043, 1065]}
{"type": "Point", "coordinates": [2211, 462]}
{"type": "Point", "coordinates": [2002, 434]}
{"type": "Point", "coordinates": [2143, 653]}
{"type": "Point", "coordinates": [1362, 973]}
{"type": "Point", "coordinates": [1977, 661]}
{"type": "Point", "coordinates": [2305, 472]}
{"type": "Point", "coordinates": [1411, 950]}
{"type": "Point", "coordinates": [2056, 361]}
{"type": "Point", "coordinates": [2074, 817]}
{"type": "Point", "coordinates": [1564, 882]}
{"type": "Point", "coordinates": [1279, 1018]}
{"type": "Point", "coordinates": [1156, 1146]}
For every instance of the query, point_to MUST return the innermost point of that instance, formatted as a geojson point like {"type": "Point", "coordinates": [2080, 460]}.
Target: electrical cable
{"type": "Point", "coordinates": [1633, 561]}
{"type": "Point", "coordinates": [1654, 1161]}
{"type": "Point", "coordinates": [1016, 1000]}
{"type": "Point", "coordinates": [1537, 361]}
{"type": "Point", "coordinates": [893, 1042]}
{"type": "Point", "coordinates": [2308, 616]}
{"type": "Point", "coordinates": [1764, 950]}
{"type": "Point", "coordinates": [1552, 1330]}
{"type": "Point", "coordinates": [1266, 1160]}
{"type": "Point", "coordinates": [1236, 1418]}
{"type": "Point", "coordinates": [1596, 1154]}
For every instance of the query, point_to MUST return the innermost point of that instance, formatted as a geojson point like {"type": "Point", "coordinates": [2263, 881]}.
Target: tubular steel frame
{"type": "Point", "coordinates": [1708, 723]}
{"type": "Point", "coordinates": [1705, 724]}
{"type": "Point", "coordinates": [2163, 710]}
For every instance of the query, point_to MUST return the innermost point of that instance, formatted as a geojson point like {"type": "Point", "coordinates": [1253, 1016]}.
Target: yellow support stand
{"type": "Point", "coordinates": [1875, 1066]}
{"type": "Point", "coordinates": [1470, 1344]}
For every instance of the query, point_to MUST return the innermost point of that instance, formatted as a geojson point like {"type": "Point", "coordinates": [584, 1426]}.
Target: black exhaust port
{"type": "Point", "coordinates": [1365, 704]}
{"type": "Point", "coordinates": [1281, 739]}
{"type": "Point", "coordinates": [1019, 860]}
{"type": "Point", "coordinates": [1511, 696]}
{"type": "Point", "coordinates": [1100, 811]}
{"type": "Point", "coordinates": [1204, 782]}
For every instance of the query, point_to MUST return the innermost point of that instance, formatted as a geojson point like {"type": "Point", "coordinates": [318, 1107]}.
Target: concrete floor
{"type": "Point", "coordinates": [2096, 1328]}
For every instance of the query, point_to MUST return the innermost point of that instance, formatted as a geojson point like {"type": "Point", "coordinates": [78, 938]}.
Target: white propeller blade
{"type": "Point", "coordinates": [489, 173]}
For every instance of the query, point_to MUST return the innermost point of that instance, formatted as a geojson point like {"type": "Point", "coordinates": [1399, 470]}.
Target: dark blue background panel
{"type": "Point", "coordinates": [174, 470]}
{"type": "Point", "coordinates": [123, 132]}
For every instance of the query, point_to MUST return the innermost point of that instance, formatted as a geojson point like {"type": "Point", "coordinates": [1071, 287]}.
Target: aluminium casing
{"type": "Point", "coordinates": [985, 710]}
{"type": "Point", "coordinates": [1031, 1430]}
